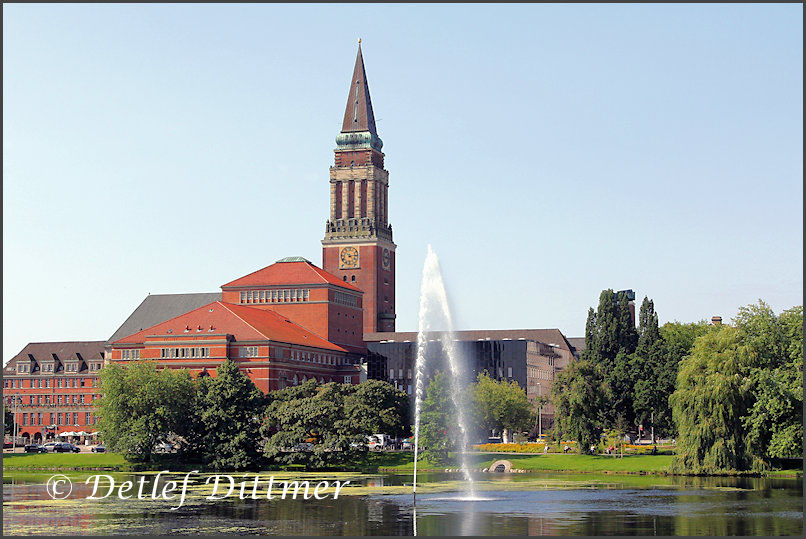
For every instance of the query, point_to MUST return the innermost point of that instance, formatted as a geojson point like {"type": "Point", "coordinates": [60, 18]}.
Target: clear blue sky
{"type": "Point", "coordinates": [545, 151]}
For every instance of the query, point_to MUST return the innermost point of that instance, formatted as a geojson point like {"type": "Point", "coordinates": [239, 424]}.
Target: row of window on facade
{"type": "Point", "coordinates": [296, 380]}
{"type": "Point", "coordinates": [32, 383]}
{"type": "Point", "coordinates": [46, 399]}
{"type": "Point", "coordinates": [37, 418]}
{"type": "Point", "coordinates": [299, 355]}
{"type": "Point", "coordinates": [323, 359]}
{"type": "Point", "coordinates": [189, 352]}
{"type": "Point", "coordinates": [539, 373]}
{"type": "Point", "coordinates": [399, 374]}
{"type": "Point", "coordinates": [345, 299]}
{"type": "Point", "coordinates": [285, 295]}
{"type": "Point", "coordinates": [48, 367]}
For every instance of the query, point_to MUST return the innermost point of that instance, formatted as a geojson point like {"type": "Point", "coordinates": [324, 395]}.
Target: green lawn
{"type": "Point", "coordinates": [64, 461]}
{"type": "Point", "coordinates": [586, 463]}
{"type": "Point", "coordinates": [550, 462]}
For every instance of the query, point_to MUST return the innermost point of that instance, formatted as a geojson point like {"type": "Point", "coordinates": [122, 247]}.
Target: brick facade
{"type": "Point", "coordinates": [50, 388]}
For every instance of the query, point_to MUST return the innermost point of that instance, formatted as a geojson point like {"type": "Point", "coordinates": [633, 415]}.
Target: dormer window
{"type": "Point", "coordinates": [22, 367]}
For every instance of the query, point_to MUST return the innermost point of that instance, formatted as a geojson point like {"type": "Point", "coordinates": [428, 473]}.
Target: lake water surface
{"type": "Point", "coordinates": [516, 504]}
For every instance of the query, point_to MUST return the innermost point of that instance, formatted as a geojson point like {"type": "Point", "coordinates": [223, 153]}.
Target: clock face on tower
{"type": "Point", "coordinates": [348, 258]}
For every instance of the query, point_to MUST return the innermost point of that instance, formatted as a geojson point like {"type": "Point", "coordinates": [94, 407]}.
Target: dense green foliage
{"type": "Point", "coordinates": [437, 425]}
{"type": "Point", "coordinates": [375, 406]}
{"type": "Point", "coordinates": [321, 424]}
{"type": "Point", "coordinates": [141, 406]}
{"type": "Point", "coordinates": [739, 395]}
{"type": "Point", "coordinates": [709, 402]}
{"type": "Point", "coordinates": [224, 429]}
{"type": "Point", "coordinates": [501, 405]}
{"type": "Point", "coordinates": [578, 394]}
{"type": "Point", "coordinates": [8, 421]}
{"type": "Point", "coordinates": [638, 368]}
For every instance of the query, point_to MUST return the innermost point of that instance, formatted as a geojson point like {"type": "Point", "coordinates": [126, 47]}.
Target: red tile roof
{"type": "Point", "coordinates": [243, 323]}
{"type": "Point", "coordinates": [290, 273]}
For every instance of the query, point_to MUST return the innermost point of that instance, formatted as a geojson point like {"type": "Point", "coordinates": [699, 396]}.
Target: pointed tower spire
{"type": "Point", "coordinates": [358, 115]}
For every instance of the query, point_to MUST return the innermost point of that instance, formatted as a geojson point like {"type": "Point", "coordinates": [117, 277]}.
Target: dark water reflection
{"type": "Point", "coordinates": [564, 505]}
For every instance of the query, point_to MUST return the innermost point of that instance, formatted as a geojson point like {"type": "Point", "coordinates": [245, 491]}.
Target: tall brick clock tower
{"type": "Point", "coordinates": [358, 244]}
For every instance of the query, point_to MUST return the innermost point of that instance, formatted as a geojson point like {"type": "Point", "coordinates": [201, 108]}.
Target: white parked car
{"type": "Point", "coordinates": [50, 446]}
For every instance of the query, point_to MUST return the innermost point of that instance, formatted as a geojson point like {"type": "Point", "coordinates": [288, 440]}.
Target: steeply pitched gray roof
{"type": "Point", "coordinates": [64, 351]}
{"type": "Point", "coordinates": [158, 308]}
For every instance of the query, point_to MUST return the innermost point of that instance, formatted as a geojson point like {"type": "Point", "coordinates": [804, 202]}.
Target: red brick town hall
{"type": "Point", "coordinates": [286, 323]}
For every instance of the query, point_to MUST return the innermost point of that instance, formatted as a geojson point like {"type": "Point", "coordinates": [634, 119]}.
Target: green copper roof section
{"type": "Point", "coordinates": [358, 140]}
{"type": "Point", "coordinates": [293, 259]}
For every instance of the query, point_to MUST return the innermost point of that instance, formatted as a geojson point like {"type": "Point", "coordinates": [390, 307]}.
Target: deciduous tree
{"type": "Point", "coordinates": [578, 394]}
{"type": "Point", "coordinates": [141, 406]}
{"type": "Point", "coordinates": [501, 405]}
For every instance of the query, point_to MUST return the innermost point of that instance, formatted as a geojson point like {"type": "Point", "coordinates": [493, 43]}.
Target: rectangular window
{"type": "Point", "coordinates": [59, 418]}
{"type": "Point", "coordinates": [24, 419]}
{"type": "Point", "coordinates": [87, 419]}
{"type": "Point", "coordinates": [391, 374]}
{"type": "Point", "coordinates": [286, 295]}
{"type": "Point", "coordinates": [509, 372]}
{"type": "Point", "coordinates": [22, 368]}
{"type": "Point", "coordinates": [348, 379]}
{"type": "Point", "coordinates": [75, 418]}
{"type": "Point", "coordinates": [52, 419]}
{"type": "Point", "coordinates": [243, 297]}
{"type": "Point", "coordinates": [39, 418]}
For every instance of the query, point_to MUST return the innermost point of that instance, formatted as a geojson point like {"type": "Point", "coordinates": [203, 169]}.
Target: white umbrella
{"type": "Point", "coordinates": [81, 433]}
{"type": "Point", "coordinates": [96, 433]}
{"type": "Point", "coordinates": [67, 434]}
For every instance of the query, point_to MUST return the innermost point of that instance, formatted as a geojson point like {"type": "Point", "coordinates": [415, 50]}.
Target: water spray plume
{"type": "Point", "coordinates": [435, 316]}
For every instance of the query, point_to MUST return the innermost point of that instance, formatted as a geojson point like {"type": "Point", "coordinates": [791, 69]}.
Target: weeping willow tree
{"type": "Point", "coordinates": [709, 403]}
{"type": "Point", "coordinates": [739, 395]}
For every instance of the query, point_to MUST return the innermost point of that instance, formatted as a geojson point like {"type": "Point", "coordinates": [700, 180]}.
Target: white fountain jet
{"type": "Point", "coordinates": [435, 316]}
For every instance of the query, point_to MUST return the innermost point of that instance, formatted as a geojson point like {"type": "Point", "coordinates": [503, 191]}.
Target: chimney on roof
{"type": "Point", "coordinates": [716, 320]}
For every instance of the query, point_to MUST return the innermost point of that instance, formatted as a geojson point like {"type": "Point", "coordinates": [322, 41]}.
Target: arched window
{"type": "Point", "coordinates": [352, 278]}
